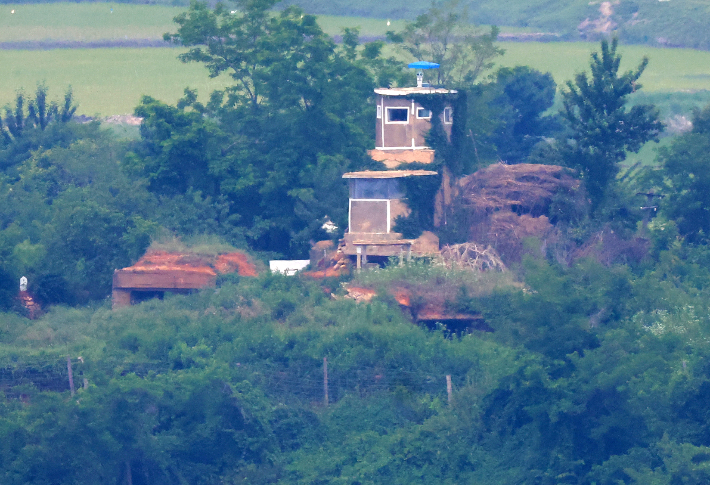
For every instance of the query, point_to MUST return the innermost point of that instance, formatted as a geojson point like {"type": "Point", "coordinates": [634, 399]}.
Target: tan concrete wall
{"type": "Point", "coordinates": [162, 280]}
{"type": "Point", "coordinates": [368, 216]}
{"type": "Point", "coordinates": [400, 135]}
{"type": "Point", "coordinates": [121, 298]}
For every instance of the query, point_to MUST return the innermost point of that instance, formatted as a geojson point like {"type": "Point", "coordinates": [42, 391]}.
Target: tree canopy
{"type": "Point", "coordinates": [297, 115]}
{"type": "Point", "coordinates": [601, 129]}
{"type": "Point", "coordinates": [444, 35]}
{"type": "Point", "coordinates": [587, 364]}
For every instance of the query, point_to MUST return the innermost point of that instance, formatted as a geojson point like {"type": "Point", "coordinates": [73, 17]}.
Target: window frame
{"type": "Point", "coordinates": [387, 115]}
{"type": "Point", "coordinates": [450, 116]}
{"type": "Point", "coordinates": [423, 117]}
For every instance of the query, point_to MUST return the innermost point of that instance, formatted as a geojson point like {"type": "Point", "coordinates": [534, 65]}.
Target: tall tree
{"type": "Point", "coordinates": [445, 35]}
{"type": "Point", "coordinates": [35, 113]}
{"type": "Point", "coordinates": [298, 109]}
{"type": "Point", "coordinates": [686, 179]}
{"type": "Point", "coordinates": [602, 130]}
{"type": "Point", "coordinates": [525, 94]}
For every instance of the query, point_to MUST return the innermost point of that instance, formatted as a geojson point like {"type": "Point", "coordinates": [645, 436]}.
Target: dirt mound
{"type": "Point", "coordinates": [424, 306]}
{"type": "Point", "coordinates": [31, 308]}
{"type": "Point", "coordinates": [603, 25]}
{"type": "Point", "coordinates": [235, 262]}
{"type": "Point", "coordinates": [195, 263]}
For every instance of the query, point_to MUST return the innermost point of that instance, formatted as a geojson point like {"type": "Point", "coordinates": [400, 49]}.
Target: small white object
{"type": "Point", "coordinates": [12, 11]}
{"type": "Point", "coordinates": [288, 267]}
{"type": "Point", "coordinates": [388, 23]}
{"type": "Point", "coordinates": [23, 284]}
{"type": "Point", "coordinates": [329, 226]}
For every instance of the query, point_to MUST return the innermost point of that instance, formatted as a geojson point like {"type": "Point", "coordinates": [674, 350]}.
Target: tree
{"type": "Point", "coordinates": [298, 110]}
{"type": "Point", "coordinates": [525, 94]}
{"type": "Point", "coordinates": [686, 179]}
{"type": "Point", "coordinates": [176, 148]}
{"type": "Point", "coordinates": [444, 35]}
{"type": "Point", "coordinates": [602, 130]}
{"type": "Point", "coordinates": [39, 114]}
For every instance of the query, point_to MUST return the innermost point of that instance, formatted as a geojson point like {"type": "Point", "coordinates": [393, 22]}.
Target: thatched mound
{"type": "Point", "coordinates": [507, 203]}
{"type": "Point", "coordinates": [525, 188]}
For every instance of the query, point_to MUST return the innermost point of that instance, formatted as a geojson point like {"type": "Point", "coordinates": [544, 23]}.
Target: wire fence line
{"type": "Point", "coordinates": [305, 381]}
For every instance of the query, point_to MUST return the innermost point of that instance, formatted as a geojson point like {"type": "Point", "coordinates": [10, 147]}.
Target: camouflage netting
{"type": "Point", "coordinates": [508, 203]}
{"type": "Point", "coordinates": [523, 188]}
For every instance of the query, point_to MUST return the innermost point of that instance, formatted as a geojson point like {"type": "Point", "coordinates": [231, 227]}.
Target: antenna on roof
{"type": "Point", "coordinates": [421, 65]}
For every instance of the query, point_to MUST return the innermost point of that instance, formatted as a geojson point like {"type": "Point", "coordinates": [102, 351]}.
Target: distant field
{"type": "Point", "coordinates": [96, 21]}
{"type": "Point", "coordinates": [111, 80]}
{"type": "Point", "coordinates": [105, 81]}
{"type": "Point", "coordinates": [86, 22]}
{"type": "Point", "coordinates": [668, 69]}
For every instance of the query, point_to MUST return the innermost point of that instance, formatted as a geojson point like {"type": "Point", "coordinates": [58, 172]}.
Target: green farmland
{"type": "Point", "coordinates": [84, 22]}
{"type": "Point", "coordinates": [111, 80]}
{"type": "Point", "coordinates": [87, 22]}
{"type": "Point", "coordinates": [104, 81]}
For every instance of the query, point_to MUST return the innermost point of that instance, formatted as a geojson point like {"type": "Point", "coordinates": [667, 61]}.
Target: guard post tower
{"type": "Point", "coordinates": [377, 197]}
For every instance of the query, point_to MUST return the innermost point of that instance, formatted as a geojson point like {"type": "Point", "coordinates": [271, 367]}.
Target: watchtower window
{"type": "Point", "coordinates": [375, 189]}
{"type": "Point", "coordinates": [448, 115]}
{"type": "Point", "coordinates": [397, 115]}
{"type": "Point", "coordinates": [423, 114]}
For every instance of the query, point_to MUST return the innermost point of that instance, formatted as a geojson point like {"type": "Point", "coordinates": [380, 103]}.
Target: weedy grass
{"type": "Point", "coordinates": [208, 245]}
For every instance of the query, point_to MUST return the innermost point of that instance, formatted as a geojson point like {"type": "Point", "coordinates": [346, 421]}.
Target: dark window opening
{"type": "Point", "coordinates": [397, 115]}
{"type": "Point", "coordinates": [423, 113]}
{"type": "Point", "coordinates": [375, 189]}
{"type": "Point", "coordinates": [141, 296]}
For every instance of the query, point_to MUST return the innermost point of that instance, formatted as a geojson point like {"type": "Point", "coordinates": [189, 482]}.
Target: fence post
{"type": "Point", "coordinates": [71, 376]}
{"type": "Point", "coordinates": [325, 380]}
{"type": "Point", "coordinates": [448, 387]}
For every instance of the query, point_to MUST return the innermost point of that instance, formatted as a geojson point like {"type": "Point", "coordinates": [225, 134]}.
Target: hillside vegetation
{"type": "Point", "coordinates": [590, 364]}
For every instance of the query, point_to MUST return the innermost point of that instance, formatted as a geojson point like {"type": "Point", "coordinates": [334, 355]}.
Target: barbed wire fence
{"type": "Point", "coordinates": [306, 382]}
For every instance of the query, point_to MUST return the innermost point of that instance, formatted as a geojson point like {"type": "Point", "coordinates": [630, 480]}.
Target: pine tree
{"type": "Point", "coordinates": [602, 129]}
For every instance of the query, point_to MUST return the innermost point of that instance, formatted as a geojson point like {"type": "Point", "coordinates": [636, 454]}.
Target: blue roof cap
{"type": "Point", "coordinates": [423, 65]}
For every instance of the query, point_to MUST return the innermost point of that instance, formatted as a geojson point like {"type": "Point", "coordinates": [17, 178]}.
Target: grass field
{"type": "Point", "coordinates": [668, 69]}
{"type": "Point", "coordinates": [111, 80]}
{"type": "Point", "coordinates": [84, 21]}
{"type": "Point", "coordinates": [96, 21]}
{"type": "Point", "coordinates": [104, 81]}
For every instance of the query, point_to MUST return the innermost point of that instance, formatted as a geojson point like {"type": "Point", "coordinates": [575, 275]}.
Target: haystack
{"type": "Point", "coordinates": [523, 188]}
{"type": "Point", "coordinates": [508, 203]}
